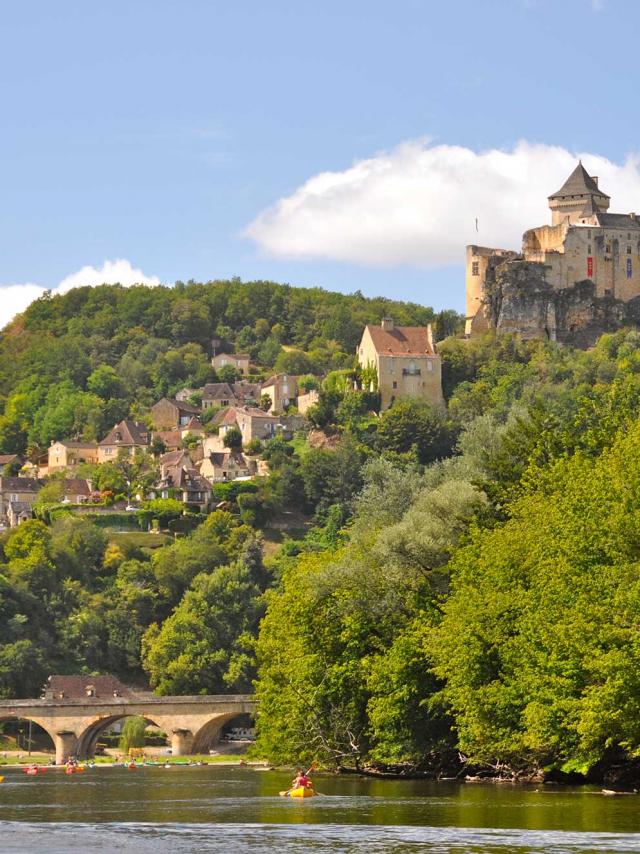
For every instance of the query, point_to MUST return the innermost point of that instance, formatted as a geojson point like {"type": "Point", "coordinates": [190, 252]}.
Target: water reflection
{"type": "Point", "coordinates": [116, 809]}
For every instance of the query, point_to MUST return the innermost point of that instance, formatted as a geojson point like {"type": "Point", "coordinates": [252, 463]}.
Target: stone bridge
{"type": "Point", "coordinates": [74, 725]}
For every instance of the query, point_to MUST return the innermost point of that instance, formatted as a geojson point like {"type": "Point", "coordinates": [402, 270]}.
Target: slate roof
{"type": "Point", "coordinates": [221, 458]}
{"type": "Point", "coordinates": [217, 391]}
{"type": "Point", "coordinates": [182, 405]}
{"type": "Point", "coordinates": [174, 458]}
{"type": "Point", "coordinates": [20, 484]}
{"type": "Point", "coordinates": [194, 424]}
{"type": "Point", "coordinates": [131, 433]}
{"type": "Point", "coordinates": [401, 340]}
{"type": "Point", "coordinates": [276, 378]}
{"type": "Point", "coordinates": [621, 221]}
{"type": "Point", "coordinates": [579, 183]}
{"type": "Point", "coordinates": [185, 478]}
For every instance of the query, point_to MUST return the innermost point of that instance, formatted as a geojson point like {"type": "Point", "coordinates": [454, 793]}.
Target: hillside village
{"type": "Point", "coordinates": [207, 436]}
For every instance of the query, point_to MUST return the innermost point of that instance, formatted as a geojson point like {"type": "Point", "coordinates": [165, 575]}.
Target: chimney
{"type": "Point", "coordinates": [387, 324]}
{"type": "Point", "coordinates": [594, 178]}
{"type": "Point", "coordinates": [632, 216]}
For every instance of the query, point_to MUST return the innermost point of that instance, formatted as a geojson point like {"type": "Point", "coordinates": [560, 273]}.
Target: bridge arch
{"type": "Point", "coordinates": [89, 735]}
{"type": "Point", "coordinates": [43, 724]}
{"type": "Point", "coordinates": [206, 736]}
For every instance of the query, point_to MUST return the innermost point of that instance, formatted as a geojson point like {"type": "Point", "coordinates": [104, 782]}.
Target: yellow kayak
{"type": "Point", "coordinates": [302, 792]}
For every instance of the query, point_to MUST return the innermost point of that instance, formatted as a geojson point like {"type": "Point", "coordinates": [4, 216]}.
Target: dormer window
{"type": "Point", "coordinates": [118, 436]}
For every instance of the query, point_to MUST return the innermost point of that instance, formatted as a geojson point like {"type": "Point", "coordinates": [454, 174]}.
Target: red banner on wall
{"type": "Point", "coordinates": [590, 266]}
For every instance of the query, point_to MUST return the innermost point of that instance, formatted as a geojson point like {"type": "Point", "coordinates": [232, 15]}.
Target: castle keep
{"type": "Point", "coordinates": [572, 280]}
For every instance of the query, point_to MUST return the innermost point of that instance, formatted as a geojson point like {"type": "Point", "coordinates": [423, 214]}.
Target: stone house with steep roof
{"type": "Point", "coordinates": [405, 362]}
{"type": "Point", "coordinates": [239, 361]}
{"type": "Point", "coordinates": [282, 390]}
{"type": "Point", "coordinates": [17, 495]}
{"type": "Point", "coordinates": [170, 414]}
{"type": "Point", "coordinates": [230, 394]}
{"type": "Point", "coordinates": [128, 435]}
{"type": "Point", "coordinates": [220, 466]}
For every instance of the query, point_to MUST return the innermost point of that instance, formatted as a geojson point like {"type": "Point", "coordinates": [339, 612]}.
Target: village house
{"type": "Point", "coordinates": [66, 454]}
{"type": "Point", "coordinates": [239, 361]}
{"type": "Point", "coordinates": [282, 391]}
{"type": "Point", "coordinates": [405, 362]}
{"type": "Point", "coordinates": [76, 490]}
{"type": "Point", "coordinates": [79, 687]}
{"type": "Point", "coordinates": [230, 394]}
{"type": "Point", "coordinates": [169, 414]}
{"type": "Point", "coordinates": [17, 495]}
{"type": "Point", "coordinates": [127, 435]}
{"type": "Point", "coordinates": [253, 423]}
{"type": "Point", "coordinates": [179, 479]}
{"type": "Point", "coordinates": [220, 466]}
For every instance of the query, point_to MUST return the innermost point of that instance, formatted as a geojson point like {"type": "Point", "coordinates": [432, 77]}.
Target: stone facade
{"type": "Point", "coordinates": [572, 280]}
{"type": "Point", "coordinates": [405, 362]}
{"type": "Point", "coordinates": [239, 361]}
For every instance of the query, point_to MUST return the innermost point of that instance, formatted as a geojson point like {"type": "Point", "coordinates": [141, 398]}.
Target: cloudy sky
{"type": "Point", "coordinates": [350, 144]}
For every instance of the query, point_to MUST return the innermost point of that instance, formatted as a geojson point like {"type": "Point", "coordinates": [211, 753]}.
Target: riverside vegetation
{"type": "Point", "coordinates": [469, 580]}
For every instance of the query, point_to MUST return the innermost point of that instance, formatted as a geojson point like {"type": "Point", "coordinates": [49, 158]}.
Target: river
{"type": "Point", "coordinates": [227, 809]}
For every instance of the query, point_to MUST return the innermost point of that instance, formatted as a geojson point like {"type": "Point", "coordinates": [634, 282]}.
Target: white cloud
{"type": "Point", "coordinates": [418, 204]}
{"type": "Point", "coordinates": [16, 298]}
{"type": "Point", "coordinates": [119, 271]}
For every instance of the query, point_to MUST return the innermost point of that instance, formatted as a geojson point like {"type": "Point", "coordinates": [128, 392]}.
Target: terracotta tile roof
{"type": "Point", "coordinates": [131, 433]}
{"type": "Point", "coordinates": [276, 378]}
{"type": "Point", "coordinates": [171, 438]}
{"type": "Point", "coordinates": [174, 458]}
{"type": "Point", "coordinates": [75, 687]}
{"type": "Point", "coordinates": [76, 485]}
{"type": "Point", "coordinates": [232, 355]}
{"type": "Point", "coordinates": [401, 340]}
{"type": "Point", "coordinates": [5, 459]}
{"type": "Point", "coordinates": [194, 424]}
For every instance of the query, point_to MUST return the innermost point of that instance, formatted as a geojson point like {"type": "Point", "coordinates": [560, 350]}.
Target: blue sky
{"type": "Point", "coordinates": [158, 132]}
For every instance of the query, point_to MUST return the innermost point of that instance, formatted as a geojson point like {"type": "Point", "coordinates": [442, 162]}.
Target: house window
{"type": "Point", "coordinates": [14, 497]}
{"type": "Point", "coordinates": [589, 234]}
{"type": "Point", "coordinates": [224, 403]}
{"type": "Point", "coordinates": [629, 249]}
{"type": "Point", "coordinates": [395, 384]}
{"type": "Point", "coordinates": [429, 366]}
{"type": "Point", "coordinates": [589, 249]}
{"type": "Point", "coordinates": [475, 268]}
{"type": "Point", "coordinates": [608, 248]}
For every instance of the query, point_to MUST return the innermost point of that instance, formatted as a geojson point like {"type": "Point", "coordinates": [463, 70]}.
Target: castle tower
{"type": "Point", "coordinates": [578, 197]}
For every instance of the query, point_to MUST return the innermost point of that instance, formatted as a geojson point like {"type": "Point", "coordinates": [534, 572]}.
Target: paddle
{"type": "Point", "coordinates": [311, 768]}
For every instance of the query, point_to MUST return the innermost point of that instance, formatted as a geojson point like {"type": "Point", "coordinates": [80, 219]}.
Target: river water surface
{"type": "Point", "coordinates": [189, 809]}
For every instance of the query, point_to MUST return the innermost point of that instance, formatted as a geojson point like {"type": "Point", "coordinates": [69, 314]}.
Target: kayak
{"type": "Point", "coordinates": [301, 792]}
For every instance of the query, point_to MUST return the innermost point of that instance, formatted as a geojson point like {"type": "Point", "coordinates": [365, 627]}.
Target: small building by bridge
{"type": "Point", "coordinates": [74, 710]}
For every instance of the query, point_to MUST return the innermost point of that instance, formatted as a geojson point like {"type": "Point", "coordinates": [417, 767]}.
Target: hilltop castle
{"type": "Point", "coordinates": [573, 279]}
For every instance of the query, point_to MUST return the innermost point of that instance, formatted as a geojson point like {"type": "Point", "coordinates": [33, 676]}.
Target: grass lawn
{"type": "Point", "coordinates": [38, 758]}
{"type": "Point", "coordinates": [138, 539]}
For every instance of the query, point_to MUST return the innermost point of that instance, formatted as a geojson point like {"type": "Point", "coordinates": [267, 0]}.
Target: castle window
{"type": "Point", "coordinates": [608, 248]}
{"type": "Point", "coordinates": [629, 249]}
{"type": "Point", "coordinates": [589, 249]}
{"type": "Point", "coordinates": [589, 234]}
{"type": "Point", "coordinates": [475, 268]}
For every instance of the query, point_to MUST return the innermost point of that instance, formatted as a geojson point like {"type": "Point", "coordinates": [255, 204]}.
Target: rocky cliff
{"type": "Point", "coordinates": [519, 300]}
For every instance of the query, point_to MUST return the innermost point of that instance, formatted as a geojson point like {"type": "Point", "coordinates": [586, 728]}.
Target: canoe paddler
{"type": "Point", "coordinates": [301, 780]}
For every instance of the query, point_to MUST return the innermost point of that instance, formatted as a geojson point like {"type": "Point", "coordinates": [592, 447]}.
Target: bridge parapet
{"type": "Point", "coordinates": [74, 724]}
